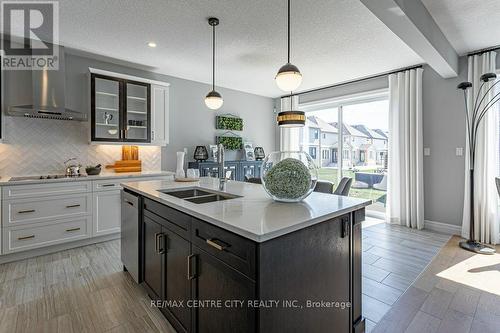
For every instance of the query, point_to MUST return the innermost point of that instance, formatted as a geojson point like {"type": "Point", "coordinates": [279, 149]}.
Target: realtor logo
{"type": "Point", "coordinates": [32, 31]}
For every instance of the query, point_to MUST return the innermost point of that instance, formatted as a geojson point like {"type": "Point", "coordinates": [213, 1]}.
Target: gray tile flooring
{"type": "Point", "coordinates": [393, 257]}
{"type": "Point", "coordinates": [459, 291]}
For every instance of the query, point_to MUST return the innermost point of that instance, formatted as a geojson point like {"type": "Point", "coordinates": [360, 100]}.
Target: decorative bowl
{"type": "Point", "coordinates": [289, 176]}
{"type": "Point", "coordinates": [93, 171]}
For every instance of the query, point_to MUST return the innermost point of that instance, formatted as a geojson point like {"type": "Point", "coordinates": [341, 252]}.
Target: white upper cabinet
{"type": "Point", "coordinates": [159, 115]}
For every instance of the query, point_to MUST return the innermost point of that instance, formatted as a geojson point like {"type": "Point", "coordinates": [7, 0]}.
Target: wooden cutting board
{"type": "Point", "coordinates": [126, 166]}
{"type": "Point", "coordinates": [127, 169]}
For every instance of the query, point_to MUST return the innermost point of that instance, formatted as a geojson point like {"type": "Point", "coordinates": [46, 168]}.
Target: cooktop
{"type": "Point", "coordinates": [43, 177]}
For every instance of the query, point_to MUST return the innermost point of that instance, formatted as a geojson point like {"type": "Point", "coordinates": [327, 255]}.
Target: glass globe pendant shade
{"type": "Point", "coordinates": [213, 100]}
{"type": "Point", "coordinates": [289, 77]}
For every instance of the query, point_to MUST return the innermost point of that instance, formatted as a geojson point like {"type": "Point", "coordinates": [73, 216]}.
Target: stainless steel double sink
{"type": "Point", "coordinates": [199, 195]}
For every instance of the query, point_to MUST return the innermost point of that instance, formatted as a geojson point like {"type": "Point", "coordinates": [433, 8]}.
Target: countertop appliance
{"type": "Point", "coordinates": [130, 233]}
{"type": "Point", "coordinates": [72, 169]}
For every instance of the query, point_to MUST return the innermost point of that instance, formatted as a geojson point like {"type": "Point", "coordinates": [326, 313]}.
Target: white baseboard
{"type": "Point", "coordinates": [443, 228]}
{"type": "Point", "coordinates": [55, 248]}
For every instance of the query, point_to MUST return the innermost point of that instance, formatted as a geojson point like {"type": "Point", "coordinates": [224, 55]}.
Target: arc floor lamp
{"type": "Point", "coordinates": [473, 119]}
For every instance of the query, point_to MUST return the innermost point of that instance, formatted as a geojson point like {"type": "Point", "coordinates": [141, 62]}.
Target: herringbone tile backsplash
{"type": "Point", "coordinates": [40, 146]}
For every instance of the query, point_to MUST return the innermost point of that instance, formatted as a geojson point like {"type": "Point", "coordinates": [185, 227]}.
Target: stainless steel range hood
{"type": "Point", "coordinates": [48, 96]}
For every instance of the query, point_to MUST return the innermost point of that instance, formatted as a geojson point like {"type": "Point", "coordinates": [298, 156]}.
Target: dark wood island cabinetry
{"type": "Point", "coordinates": [208, 279]}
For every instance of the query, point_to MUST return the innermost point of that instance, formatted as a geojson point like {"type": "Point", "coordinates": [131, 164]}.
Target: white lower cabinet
{"type": "Point", "coordinates": [39, 215]}
{"type": "Point", "coordinates": [47, 208]}
{"type": "Point", "coordinates": [22, 238]}
{"type": "Point", "coordinates": [106, 212]}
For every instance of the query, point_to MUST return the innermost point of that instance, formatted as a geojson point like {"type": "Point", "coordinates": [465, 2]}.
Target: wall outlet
{"type": "Point", "coordinates": [427, 152]}
{"type": "Point", "coordinates": [459, 151]}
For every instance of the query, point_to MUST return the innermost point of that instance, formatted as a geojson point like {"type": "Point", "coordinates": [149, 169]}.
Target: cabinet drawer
{"type": "Point", "coordinates": [40, 190]}
{"type": "Point", "coordinates": [170, 218]}
{"type": "Point", "coordinates": [114, 184]}
{"type": "Point", "coordinates": [23, 211]}
{"type": "Point", "coordinates": [232, 249]}
{"type": "Point", "coordinates": [23, 238]}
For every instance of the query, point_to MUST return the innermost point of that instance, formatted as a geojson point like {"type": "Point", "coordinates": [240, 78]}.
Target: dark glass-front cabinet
{"type": "Point", "coordinates": [120, 110]}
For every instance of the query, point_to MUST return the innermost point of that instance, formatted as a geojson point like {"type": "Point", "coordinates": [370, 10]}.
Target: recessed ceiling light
{"type": "Point", "coordinates": [152, 44]}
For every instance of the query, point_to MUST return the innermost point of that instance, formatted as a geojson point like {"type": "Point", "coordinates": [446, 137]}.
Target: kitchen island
{"type": "Point", "coordinates": [236, 261]}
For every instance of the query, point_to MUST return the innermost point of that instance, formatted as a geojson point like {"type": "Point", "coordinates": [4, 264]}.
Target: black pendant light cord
{"type": "Point", "coordinates": [288, 31]}
{"type": "Point", "coordinates": [213, 58]}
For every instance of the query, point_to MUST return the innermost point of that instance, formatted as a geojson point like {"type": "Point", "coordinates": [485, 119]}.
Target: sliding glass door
{"type": "Point", "coordinates": [348, 137]}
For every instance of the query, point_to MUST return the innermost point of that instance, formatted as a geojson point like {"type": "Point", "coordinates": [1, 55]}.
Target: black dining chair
{"type": "Point", "coordinates": [344, 186]}
{"type": "Point", "coordinates": [324, 186]}
{"type": "Point", "coordinates": [253, 180]}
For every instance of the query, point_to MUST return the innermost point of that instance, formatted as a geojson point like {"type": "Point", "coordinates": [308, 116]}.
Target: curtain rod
{"type": "Point", "coordinates": [493, 48]}
{"type": "Point", "coordinates": [354, 81]}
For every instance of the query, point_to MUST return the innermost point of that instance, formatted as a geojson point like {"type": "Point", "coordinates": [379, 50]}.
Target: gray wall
{"type": "Point", "coordinates": [191, 122]}
{"type": "Point", "coordinates": [444, 131]}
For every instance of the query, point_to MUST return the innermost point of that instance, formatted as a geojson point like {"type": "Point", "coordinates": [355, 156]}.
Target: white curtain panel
{"type": "Point", "coordinates": [485, 194]}
{"type": "Point", "coordinates": [405, 188]}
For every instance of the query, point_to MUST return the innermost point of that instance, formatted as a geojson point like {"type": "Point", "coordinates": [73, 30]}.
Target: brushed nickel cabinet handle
{"type": "Point", "coordinates": [73, 206]}
{"type": "Point", "coordinates": [213, 244]}
{"type": "Point", "coordinates": [161, 246]}
{"type": "Point", "coordinates": [26, 211]}
{"type": "Point", "coordinates": [26, 237]}
{"type": "Point", "coordinates": [72, 229]}
{"type": "Point", "coordinates": [190, 276]}
{"type": "Point", "coordinates": [156, 243]}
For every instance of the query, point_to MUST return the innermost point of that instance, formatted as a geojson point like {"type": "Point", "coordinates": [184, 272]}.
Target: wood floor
{"type": "Point", "coordinates": [458, 292]}
{"type": "Point", "coordinates": [393, 257]}
{"type": "Point", "coordinates": [78, 290]}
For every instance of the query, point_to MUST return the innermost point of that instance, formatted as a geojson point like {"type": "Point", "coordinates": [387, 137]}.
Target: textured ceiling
{"type": "Point", "coordinates": [469, 25]}
{"type": "Point", "coordinates": [332, 40]}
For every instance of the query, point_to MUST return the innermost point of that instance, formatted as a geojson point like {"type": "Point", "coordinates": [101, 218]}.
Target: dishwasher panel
{"type": "Point", "coordinates": [130, 233]}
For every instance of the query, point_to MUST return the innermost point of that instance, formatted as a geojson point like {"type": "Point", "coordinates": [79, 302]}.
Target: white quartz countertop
{"type": "Point", "coordinates": [254, 215]}
{"type": "Point", "coordinates": [103, 175]}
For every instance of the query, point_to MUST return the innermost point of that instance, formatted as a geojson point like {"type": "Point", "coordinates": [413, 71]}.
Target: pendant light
{"type": "Point", "coordinates": [213, 100]}
{"type": "Point", "coordinates": [289, 77]}
{"type": "Point", "coordinates": [288, 117]}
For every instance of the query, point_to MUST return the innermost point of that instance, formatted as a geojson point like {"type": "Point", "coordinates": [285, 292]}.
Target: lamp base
{"type": "Point", "coordinates": [477, 247]}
